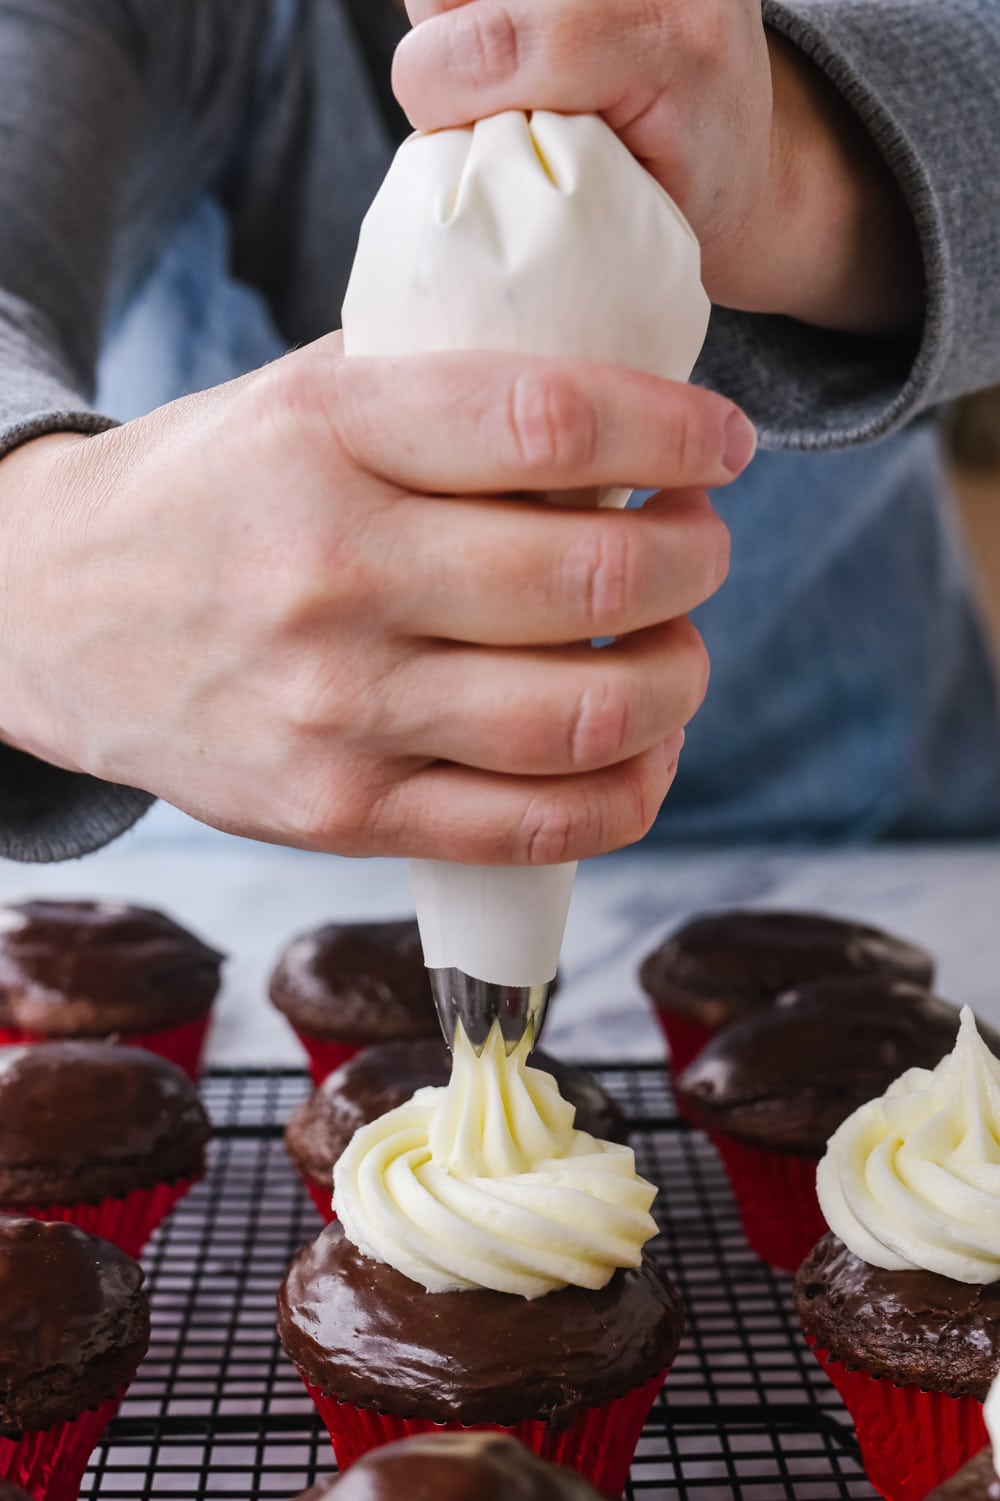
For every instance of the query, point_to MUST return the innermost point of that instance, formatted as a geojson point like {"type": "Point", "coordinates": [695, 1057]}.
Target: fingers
{"type": "Point", "coordinates": [464, 61]}
{"type": "Point", "coordinates": [555, 713]}
{"type": "Point", "coordinates": [479, 423]}
{"type": "Point", "coordinates": [499, 573]}
{"type": "Point", "coordinates": [450, 813]}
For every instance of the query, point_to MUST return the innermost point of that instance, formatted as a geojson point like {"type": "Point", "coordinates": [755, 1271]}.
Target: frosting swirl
{"type": "Point", "coordinates": [912, 1180]}
{"type": "Point", "coordinates": [487, 1184]}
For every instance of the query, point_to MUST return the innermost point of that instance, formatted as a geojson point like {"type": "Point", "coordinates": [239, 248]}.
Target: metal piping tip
{"type": "Point", "coordinates": [478, 1004]}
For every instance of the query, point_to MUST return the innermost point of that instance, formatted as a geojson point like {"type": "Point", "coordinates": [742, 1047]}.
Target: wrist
{"type": "Point", "coordinates": [832, 242]}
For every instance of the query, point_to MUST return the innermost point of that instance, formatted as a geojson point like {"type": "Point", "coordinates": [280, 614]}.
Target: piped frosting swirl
{"type": "Point", "coordinates": [912, 1180]}
{"type": "Point", "coordinates": [487, 1184]}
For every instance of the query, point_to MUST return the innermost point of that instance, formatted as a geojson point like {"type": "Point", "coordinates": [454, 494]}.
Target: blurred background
{"type": "Point", "coordinates": [975, 450]}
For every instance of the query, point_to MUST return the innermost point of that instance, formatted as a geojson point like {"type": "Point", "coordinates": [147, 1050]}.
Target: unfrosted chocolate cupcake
{"type": "Point", "coordinates": [720, 968]}
{"type": "Point", "coordinates": [74, 1325]}
{"type": "Point", "coordinates": [454, 1467]}
{"type": "Point", "coordinates": [975, 1481]}
{"type": "Point", "coordinates": [772, 1088]}
{"type": "Point", "coordinates": [347, 985]}
{"type": "Point", "coordinates": [75, 969]}
{"type": "Point", "coordinates": [108, 1136]}
{"type": "Point", "coordinates": [379, 1078]}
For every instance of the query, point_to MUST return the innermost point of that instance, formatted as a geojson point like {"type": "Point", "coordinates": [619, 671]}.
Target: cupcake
{"type": "Point", "coordinates": [74, 1325]}
{"type": "Point", "coordinates": [75, 969]}
{"type": "Point", "coordinates": [771, 1089]}
{"type": "Point", "coordinates": [718, 969]}
{"type": "Point", "coordinates": [12, 1492]}
{"type": "Point", "coordinates": [487, 1270]}
{"type": "Point", "coordinates": [454, 1467]}
{"type": "Point", "coordinates": [347, 985]}
{"type": "Point", "coordinates": [901, 1301]}
{"type": "Point", "coordinates": [979, 1480]}
{"type": "Point", "coordinates": [380, 1078]}
{"type": "Point", "coordinates": [106, 1137]}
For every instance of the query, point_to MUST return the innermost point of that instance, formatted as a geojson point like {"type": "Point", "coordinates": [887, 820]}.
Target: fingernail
{"type": "Point", "coordinates": [740, 442]}
{"type": "Point", "coordinates": [672, 748]}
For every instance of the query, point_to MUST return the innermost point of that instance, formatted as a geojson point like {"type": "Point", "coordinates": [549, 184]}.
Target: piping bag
{"type": "Point", "coordinates": [531, 234]}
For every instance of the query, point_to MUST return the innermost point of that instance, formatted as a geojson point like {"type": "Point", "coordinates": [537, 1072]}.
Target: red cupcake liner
{"type": "Point", "coordinates": [910, 1440]}
{"type": "Point", "coordinates": [599, 1444]}
{"type": "Point", "coordinates": [183, 1045]}
{"type": "Point", "coordinates": [776, 1197]}
{"type": "Point", "coordinates": [325, 1055]}
{"type": "Point", "coordinates": [127, 1222]}
{"type": "Point", "coordinates": [685, 1038]}
{"type": "Point", "coordinates": [50, 1465]}
{"type": "Point", "coordinates": [322, 1198]}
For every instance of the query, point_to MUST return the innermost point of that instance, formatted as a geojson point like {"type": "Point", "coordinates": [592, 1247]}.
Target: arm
{"type": "Point", "coordinates": [832, 165]}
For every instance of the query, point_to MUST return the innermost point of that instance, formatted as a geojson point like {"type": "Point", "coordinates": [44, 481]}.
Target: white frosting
{"type": "Point", "coordinates": [991, 1415]}
{"type": "Point", "coordinates": [486, 1183]}
{"type": "Point", "coordinates": [535, 235]}
{"type": "Point", "coordinates": [912, 1180]}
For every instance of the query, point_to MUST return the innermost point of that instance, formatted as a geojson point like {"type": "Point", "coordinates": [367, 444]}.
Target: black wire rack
{"type": "Point", "coordinates": [216, 1409]}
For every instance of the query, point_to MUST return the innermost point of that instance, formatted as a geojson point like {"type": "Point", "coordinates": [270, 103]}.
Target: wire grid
{"type": "Point", "coordinates": [216, 1409]}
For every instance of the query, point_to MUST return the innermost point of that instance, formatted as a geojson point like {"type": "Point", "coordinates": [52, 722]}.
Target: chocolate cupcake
{"type": "Point", "coordinates": [347, 985]}
{"type": "Point", "coordinates": [78, 969]}
{"type": "Point", "coordinates": [106, 1137]}
{"type": "Point", "coordinates": [978, 1480]}
{"type": "Point", "coordinates": [380, 1078]}
{"type": "Point", "coordinates": [901, 1301]}
{"type": "Point", "coordinates": [487, 1269]}
{"type": "Point", "coordinates": [718, 969]}
{"type": "Point", "coordinates": [454, 1467]}
{"type": "Point", "coordinates": [74, 1325]}
{"type": "Point", "coordinates": [771, 1089]}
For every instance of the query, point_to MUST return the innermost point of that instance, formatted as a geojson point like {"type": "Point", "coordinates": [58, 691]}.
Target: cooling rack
{"type": "Point", "coordinates": [217, 1411]}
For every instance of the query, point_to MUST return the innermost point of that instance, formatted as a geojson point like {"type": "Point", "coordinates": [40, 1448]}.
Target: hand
{"type": "Point", "coordinates": [259, 604]}
{"type": "Point", "coordinates": [794, 209]}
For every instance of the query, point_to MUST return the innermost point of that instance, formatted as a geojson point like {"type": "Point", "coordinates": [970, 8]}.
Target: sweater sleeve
{"type": "Point", "coordinates": [923, 78]}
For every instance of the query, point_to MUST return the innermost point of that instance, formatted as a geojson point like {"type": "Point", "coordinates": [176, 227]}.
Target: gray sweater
{"type": "Point", "coordinates": [117, 115]}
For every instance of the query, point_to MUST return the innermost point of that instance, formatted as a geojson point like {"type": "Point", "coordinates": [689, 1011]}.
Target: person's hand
{"type": "Point", "coordinates": [259, 603]}
{"type": "Point", "coordinates": [794, 209]}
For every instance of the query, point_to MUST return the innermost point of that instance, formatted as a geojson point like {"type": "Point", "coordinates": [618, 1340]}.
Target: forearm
{"type": "Point", "coordinates": [833, 242]}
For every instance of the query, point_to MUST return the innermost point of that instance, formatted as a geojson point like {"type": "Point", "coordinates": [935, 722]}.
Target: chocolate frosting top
{"type": "Point", "coordinates": [454, 1467]}
{"type": "Point", "coordinates": [728, 964]}
{"type": "Point", "coordinates": [356, 982]}
{"type": "Point", "coordinates": [385, 1075]}
{"type": "Point", "coordinates": [91, 968]}
{"type": "Point", "coordinates": [916, 1328]}
{"type": "Point", "coordinates": [787, 1077]}
{"type": "Point", "coordinates": [66, 1298]}
{"type": "Point", "coordinates": [67, 1106]}
{"type": "Point", "coordinates": [976, 1481]}
{"type": "Point", "coordinates": [362, 1332]}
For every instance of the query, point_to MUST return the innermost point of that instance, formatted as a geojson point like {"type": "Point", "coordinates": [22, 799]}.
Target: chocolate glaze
{"type": "Point", "coordinates": [362, 1332]}
{"type": "Point", "coordinates": [83, 1121]}
{"type": "Point", "coordinates": [454, 1467]}
{"type": "Point", "coordinates": [74, 1323]}
{"type": "Point", "coordinates": [718, 968]}
{"type": "Point", "coordinates": [976, 1481]}
{"type": "Point", "coordinates": [75, 968]}
{"type": "Point", "coordinates": [379, 1078]}
{"type": "Point", "coordinates": [784, 1079]}
{"type": "Point", "coordinates": [356, 982]}
{"type": "Point", "coordinates": [916, 1328]}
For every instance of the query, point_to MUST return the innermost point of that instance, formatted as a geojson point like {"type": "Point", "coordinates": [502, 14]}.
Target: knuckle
{"type": "Point", "coordinates": [551, 424]}
{"type": "Point", "coordinates": [493, 39]}
{"type": "Point", "coordinates": [642, 802]}
{"type": "Point", "coordinates": [286, 395]}
{"type": "Point", "coordinates": [548, 829]}
{"type": "Point", "coordinates": [602, 725]}
{"type": "Point", "coordinates": [696, 668]}
{"type": "Point", "coordinates": [699, 28]}
{"type": "Point", "coordinates": [602, 568]}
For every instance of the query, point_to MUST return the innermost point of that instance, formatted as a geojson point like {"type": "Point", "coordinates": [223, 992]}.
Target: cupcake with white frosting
{"type": "Point", "coordinates": [901, 1301]}
{"type": "Point", "coordinates": [487, 1271]}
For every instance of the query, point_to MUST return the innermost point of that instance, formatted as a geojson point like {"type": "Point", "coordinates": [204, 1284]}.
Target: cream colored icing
{"type": "Point", "coordinates": [487, 1183]}
{"type": "Point", "coordinates": [912, 1180]}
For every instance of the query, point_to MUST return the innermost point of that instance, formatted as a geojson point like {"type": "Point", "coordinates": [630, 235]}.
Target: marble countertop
{"type": "Point", "coordinates": [249, 899]}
